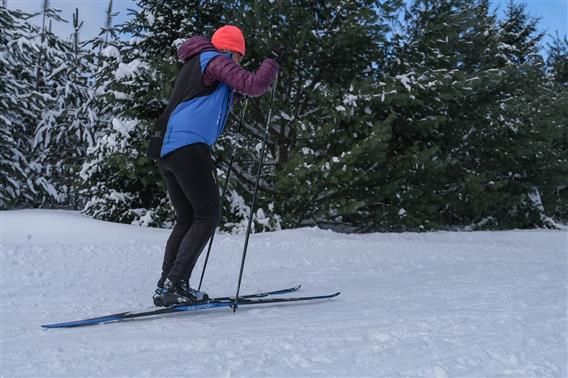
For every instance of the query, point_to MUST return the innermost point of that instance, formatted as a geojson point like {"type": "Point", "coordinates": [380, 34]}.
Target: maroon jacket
{"type": "Point", "coordinates": [225, 70]}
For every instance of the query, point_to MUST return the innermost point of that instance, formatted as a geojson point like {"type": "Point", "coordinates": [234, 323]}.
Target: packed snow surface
{"type": "Point", "coordinates": [412, 304]}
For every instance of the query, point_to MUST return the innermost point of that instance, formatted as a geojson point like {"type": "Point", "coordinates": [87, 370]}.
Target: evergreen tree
{"type": "Point", "coordinates": [554, 117]}
{"type": "Point", "coordinates": [441, 79]}
{"type": "Point", "coordinates": [107, 196]}
{"type": "Point", "coordinates": [105, 61]}
{"type": "Point", "coordinates": [331, 49]}
{"type": "Point", "coordinates": [557, 62]}
{"type": "Point", "coordinates": [66, 126]}
{"type": "Point", "coordinates": [531, 115]}
{"type": "Point", "coordinates": [465, 143]}
{"type": "Point", "coordinates": [426, 87]}
{"type": "Point", "coordinates": [519, 40]}
{"type": "Point", "coordinates": [20, 105]}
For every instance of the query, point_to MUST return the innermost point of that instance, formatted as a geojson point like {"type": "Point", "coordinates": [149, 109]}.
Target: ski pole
{"type": "Point", "coordinates": [225, 185]}
{"type": "Point", "coordinates": [255, 190]}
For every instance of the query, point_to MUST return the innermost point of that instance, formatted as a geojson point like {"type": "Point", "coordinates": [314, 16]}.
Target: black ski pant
{"type": "Point", "coordinates": [190, 176]}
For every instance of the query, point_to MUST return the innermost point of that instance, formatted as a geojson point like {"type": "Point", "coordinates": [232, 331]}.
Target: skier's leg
{"type": "Point", "coordinates": [195, 171]}
{"type": "Point", "coordinates": [184, 219]}
{"type": "Point", "coordinates": [189, 269]}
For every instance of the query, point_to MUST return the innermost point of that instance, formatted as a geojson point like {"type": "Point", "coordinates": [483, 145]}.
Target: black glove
{"type": "Point", "coordinates": [278, 54]}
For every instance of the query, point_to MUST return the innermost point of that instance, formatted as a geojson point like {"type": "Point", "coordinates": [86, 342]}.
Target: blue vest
{"type": "Point", "coordinates": [201, 119]}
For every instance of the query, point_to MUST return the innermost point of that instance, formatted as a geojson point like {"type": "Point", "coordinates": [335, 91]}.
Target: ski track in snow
{"type": "Point", "coordinates": [432, 304]}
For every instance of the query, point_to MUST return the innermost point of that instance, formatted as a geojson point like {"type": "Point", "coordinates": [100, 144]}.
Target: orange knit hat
{"type": "Point", "coordinates": [230, 38]}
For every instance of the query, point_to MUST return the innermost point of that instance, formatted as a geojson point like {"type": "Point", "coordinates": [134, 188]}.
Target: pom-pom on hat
{"type": "Point", "coordinates": [230, 38]}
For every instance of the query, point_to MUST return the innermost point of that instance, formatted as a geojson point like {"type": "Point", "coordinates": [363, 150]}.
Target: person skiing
{"type": "Point", "coordinates": [196, 114]}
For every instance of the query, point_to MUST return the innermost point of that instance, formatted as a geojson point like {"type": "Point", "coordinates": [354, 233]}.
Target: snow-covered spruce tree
{"type": "Point", "coordinates": [111, 181]}
{"type": "Point", "coordinates": [557, 61]}
{"type": "Point", "coordinates": [464, 147]}
{"type": "Point", "coordinates": [102, 186]}
{"type": "Point", "coordinates": [48, 78]}
{"type": "Point", "coordinates": [442, 50]}
{"type": "Point", "coordinates": [328, 180]}
{"type": "Point", "coordinates": [531, 128]}
{"type": "Point", "coordinates": [519, 38]}
{"type": "Point", "coordinates": [331, 48]}
{"type": "Point", "coordinates": [106, 59]}
{"type": "Point", "coordinates": [412, 98]}
{"type": "Point", "coordinates": [20, 105]}
{"type": "Point", "coordinates": [386, 166]}
{"type": "Point", "coordinates": [65, 128]}
{"type": "Point", "coordinates": [555, 118]}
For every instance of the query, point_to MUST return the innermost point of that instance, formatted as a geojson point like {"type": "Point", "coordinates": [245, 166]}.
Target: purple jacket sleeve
{"type": "Point", "coordinates": [248, 83]}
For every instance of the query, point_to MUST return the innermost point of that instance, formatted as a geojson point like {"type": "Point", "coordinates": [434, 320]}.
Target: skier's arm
{"type": "Point", "coordinates": [248, 83]}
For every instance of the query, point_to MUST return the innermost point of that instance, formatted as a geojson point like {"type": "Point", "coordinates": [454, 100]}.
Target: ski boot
{"type": "Point", "coordinates": [192, 294]}
{"type": "Point", "coordinates": [171, 295]}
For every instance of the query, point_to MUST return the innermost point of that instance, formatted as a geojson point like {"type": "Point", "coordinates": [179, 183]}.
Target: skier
{"type": "Point", "coordinates": [198, 108]}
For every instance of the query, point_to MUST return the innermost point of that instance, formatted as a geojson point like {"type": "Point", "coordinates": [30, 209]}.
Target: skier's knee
{"type": "Point", "coordinates": [214, 219]}
{"type": "Point", "coordinates": [183, 223]}
{"type": "Point", "coordinates": [209, 219]}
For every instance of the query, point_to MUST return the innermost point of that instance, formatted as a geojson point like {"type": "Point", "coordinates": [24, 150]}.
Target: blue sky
{"type": "Point", "coordinates": [553, 13]}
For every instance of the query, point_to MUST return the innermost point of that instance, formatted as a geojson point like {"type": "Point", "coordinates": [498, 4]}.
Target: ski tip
{"type": "Point", "coordinates": [51, 326]}
{"type": "Point", "coordinates": [64, 325]}
{"type": "Point", "coordinates": [85, 322]}
{"type": "Point", "coordinates": [55, 325]}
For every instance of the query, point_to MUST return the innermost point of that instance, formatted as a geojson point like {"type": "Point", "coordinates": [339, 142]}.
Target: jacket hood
{"type": "Point", "coordinates": [193, 46]}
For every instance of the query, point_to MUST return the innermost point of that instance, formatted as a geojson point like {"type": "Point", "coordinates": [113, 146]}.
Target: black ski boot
{"type": "Point", "coordinates": [171, 295]}
{"type": "Point", "coordinates": [192, 294]}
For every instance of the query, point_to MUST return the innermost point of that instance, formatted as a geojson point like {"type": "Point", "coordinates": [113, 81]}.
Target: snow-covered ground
{"type": "Point", "coordinates": [433, 304]}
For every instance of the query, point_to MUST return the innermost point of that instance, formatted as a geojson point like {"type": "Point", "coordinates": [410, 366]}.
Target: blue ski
{"type": "Point", "coordinates": [212, 303]}
{"type": "Point", "coordinates": [183, 308]}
